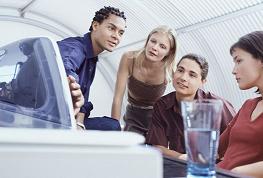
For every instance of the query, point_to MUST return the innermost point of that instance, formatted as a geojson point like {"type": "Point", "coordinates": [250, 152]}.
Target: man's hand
{"type": "Point", "coordinates": [80, 121]}
{"type": "Point", "coordinates": [76, 94]}
{"type": "Point", "coordinates": [183, 157]}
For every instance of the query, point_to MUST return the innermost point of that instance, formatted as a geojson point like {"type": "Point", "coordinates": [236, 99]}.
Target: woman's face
{"type": "Point", "coordinates": [247, 70]}
{"type": "Point", "coordinates": [187, 78]}
{"type": "Point", "coordinates": [157, 47]}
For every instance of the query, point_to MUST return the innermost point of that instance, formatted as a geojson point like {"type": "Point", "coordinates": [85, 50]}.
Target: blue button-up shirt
{"type": "Point", "coordinates": [80, 62]}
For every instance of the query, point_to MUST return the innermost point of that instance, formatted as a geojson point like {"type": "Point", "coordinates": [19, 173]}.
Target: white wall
{"type": "Point", "coordinates": [12, 31]}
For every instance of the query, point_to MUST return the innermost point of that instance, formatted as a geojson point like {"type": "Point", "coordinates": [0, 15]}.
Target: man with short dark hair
{"type": "Point", "coordinates": [80, 56]}
{"type": "Point", "coordinates": [166, 129]}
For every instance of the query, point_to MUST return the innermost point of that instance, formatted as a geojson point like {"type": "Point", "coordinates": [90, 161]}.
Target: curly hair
{"type": "Point", "coordinates": [104, 13]}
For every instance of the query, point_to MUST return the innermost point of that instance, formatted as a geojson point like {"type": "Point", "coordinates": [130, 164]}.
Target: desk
{"type": "Point", "coordinates": [177, 168]}
{"type": "Point", "coordinates": [53, 153]}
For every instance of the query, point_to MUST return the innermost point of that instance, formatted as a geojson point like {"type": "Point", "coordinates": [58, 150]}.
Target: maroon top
{"type": "Point", "coordinates": [167, 129]}
{"type": "Point", "coordinates": [143, 94]}
{"type": "Point", "coordinates": [242, 141]}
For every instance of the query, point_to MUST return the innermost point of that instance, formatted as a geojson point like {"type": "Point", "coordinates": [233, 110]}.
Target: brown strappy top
{"type": "Point", "coordinates": [143, 94]}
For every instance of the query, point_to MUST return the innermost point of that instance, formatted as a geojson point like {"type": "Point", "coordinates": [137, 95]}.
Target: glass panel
{"type": "Point", "coordinates": [27, 94]}
{"type": "Point", "coordinates": [21, 82]}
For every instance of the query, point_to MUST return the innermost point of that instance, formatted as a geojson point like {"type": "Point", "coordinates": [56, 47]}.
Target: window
{"type": "Point", "coordinates": [28, 97]}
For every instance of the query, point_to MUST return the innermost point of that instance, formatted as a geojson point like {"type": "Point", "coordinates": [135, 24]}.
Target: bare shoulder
{"type": "Point", "coordinates": [127, 60]}
{"type": "Point", "coordinates": [128, 57]}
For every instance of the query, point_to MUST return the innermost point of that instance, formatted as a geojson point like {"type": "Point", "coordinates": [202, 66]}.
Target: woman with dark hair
{"type": "Point", "coordinates": [144, 72]}
{"type": "Point", "coordinates": [242, 143]}
{"type": "Point", "coordinates": [166, 130]}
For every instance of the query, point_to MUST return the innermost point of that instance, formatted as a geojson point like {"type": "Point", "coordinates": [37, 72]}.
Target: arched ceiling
{"type": "Point", "coordinates": [67, 18]}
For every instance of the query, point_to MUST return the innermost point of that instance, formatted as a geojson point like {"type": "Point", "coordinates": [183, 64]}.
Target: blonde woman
{"type": "Point", "coordinates": [145, 74]}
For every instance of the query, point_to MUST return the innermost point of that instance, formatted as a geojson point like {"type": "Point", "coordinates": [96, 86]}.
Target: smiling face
{"type": "Point", "coordinates": [187, 79]}
{"type": "Point", "coordinates": [157, 47]}
{"type": "Point", "coordinates": [107, 34]}
{"type": "Point", "coordinates": [247, 70]}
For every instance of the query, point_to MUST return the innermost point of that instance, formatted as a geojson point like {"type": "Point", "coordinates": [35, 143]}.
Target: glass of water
{"type": "Point", "coordinates": [202, 120]}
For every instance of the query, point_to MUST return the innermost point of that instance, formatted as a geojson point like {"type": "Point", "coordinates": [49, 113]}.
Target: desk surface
{"type": "Point", "coordinates": [177, 168]}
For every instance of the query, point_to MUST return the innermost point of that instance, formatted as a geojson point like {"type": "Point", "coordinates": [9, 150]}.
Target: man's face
{"type": "Point", "coordinates": [187, 78]}
{"type": "Point", "coordinates": [107, 34]}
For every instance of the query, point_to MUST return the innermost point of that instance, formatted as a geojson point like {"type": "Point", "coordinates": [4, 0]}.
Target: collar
{"type": "Point", "coordinates": [88, 46]}
{"type": "Point", "coordinates": [173, 103]}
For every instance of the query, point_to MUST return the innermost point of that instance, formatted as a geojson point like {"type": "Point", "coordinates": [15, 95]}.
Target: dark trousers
{"type": "Point", "coordinates": [102, 123]}
{"type": "Point", "coordinates": [137, 119]}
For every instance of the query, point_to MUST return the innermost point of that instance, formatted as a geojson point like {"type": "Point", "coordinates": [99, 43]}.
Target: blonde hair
{"type": "Point", "coordinates": [169, 60]}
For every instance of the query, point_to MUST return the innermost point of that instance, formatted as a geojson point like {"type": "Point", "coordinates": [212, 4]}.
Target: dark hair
{"type": "Point", "coordinates": [251, 43]}
{"type": "Point", "coordinates": [104, 13]}
{"type": "Point", "coordinates": [199, 60]}
{"type": "Point", "coordinates": [26, 47]}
